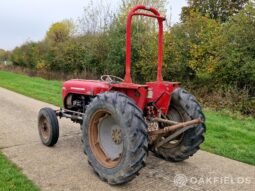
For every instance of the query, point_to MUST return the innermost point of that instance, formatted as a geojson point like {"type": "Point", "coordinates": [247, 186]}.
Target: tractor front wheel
{"type": "Point", "coordinates": [183, 107]}
{"type": "Point", "coordinates": [48, 126]}
{"type": "Point", "coordinates": [115, 137]}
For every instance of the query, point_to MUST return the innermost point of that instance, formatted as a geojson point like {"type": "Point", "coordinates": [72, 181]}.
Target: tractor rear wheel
{"type": "Point", "coordinates": [48, 126]}
{"type": "Point", "coordinates": [183, 107]}
{"type": "Point", "coordinates": [115, 137]}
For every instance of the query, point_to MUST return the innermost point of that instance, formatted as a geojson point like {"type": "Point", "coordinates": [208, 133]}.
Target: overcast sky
{"type": "Point", "coordinates": [23, 20]}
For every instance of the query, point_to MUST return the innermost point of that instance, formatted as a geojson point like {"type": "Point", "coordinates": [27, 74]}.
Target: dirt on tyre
{"type": "Point", "coordinates": [48, 126]}
{"type": "Point", "coordinates": [115, 137]}
{"type": "Point", "coordinates": [183, 107]}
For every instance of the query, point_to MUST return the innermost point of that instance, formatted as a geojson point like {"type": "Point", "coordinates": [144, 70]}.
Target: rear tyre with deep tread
{"type": "Point", "coordinates": [184, 107]}
{"type": "Point", "coordinates": [48, 126]}
{"type": "Point", "coordinates": [125, 114]}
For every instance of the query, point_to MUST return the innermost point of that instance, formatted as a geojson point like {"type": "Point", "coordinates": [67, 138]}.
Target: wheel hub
{"type": "Point", "coordinates": [116, 136]}
{"type": "Point", "coordinates": [44, 128]}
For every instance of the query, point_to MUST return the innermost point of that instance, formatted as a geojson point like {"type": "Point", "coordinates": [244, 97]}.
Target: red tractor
{"type": "Point", "coordinates": [121, 121]}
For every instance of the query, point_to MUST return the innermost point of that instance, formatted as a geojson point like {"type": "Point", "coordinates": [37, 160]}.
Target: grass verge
{"type": "Point", "coordinates": [226, 136]}
{"type": "Point", "coordinates": [230, 137]}
{"type": "Point", "coordinates": [11, 178]}
{"type": "Point", "coordinates": [45, 90]}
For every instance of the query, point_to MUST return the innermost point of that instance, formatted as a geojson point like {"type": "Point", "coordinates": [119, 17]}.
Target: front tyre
{"type": "Point", "coordinates": [48, 126]}
{"type": "Point", "coordinates": [115, 138]}
{"type": "Point", "coordinates": [183, 107]}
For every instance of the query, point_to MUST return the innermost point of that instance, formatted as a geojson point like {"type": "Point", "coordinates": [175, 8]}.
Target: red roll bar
{"type": "Point", "coordinates": [160, 19]}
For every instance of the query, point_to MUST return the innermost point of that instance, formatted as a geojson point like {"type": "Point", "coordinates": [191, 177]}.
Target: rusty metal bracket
{"type": "Point", "coordinates": [174, 127]}
{"type": "Point", "coordinates": [74, 115]}
{"type": "Point", "coordinates": [172, 136]}
{"type": "Point", "coordinates": [164, 121]}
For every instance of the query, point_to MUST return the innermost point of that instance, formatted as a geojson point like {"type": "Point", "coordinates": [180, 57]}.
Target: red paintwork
{"type": "Point", "coordinates": [160, 19]}
{"type": "Point", "coordinates": [161, 94]}
{"type": "Point", "coordinates": [158, 92]}
{"type": "Point", "coordinates": [86, 87]}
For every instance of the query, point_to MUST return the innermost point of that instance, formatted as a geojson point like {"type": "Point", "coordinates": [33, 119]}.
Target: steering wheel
{"type": "Point", "coordinates": [111, 79]}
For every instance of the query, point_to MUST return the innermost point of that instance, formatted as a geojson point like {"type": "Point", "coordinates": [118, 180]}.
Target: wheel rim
{"type": "Point", "coordinates": [44, 128]}
{"type": "Point", "coordinates": [174, 115]}
{"type": "Point", "coordinates": [105, 139]}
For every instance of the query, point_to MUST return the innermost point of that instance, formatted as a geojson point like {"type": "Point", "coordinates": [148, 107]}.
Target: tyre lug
{"type": "Point", "coordinates": [107, 159]}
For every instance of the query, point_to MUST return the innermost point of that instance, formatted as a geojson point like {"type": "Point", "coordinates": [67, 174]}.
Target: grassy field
{"type": "Point", "coordinates": [226, 136]}
{"type": "Point", "coordinates": [45, 90]}
{"type": "Point", "coordinates": [230, 137]}
{"type": "Point", "coordinates": [11, 178]}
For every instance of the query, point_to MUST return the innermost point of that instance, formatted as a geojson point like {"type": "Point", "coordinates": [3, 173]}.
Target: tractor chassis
{"type": "Point", "coordinates": [176, 127]}
{"type": "Point", "coordinates": [73, 115]}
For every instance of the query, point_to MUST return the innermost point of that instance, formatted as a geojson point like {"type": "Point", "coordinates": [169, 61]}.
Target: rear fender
{"type": "Point", "coordinates": [160, 94]}
{"type": "Point", "coordinates": [138, 94]}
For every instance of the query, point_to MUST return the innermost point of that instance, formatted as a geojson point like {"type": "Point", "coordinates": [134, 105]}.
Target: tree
{"type": "Point", "coordinates": [60, 31]}
{"type": "Point", "coordinates": [26, 56]}
{"type": "Point", "coordinates": [4, 55]}
{"type": "Point", "coordinates": [158, 4]}
{"type": "Point", "coordinates": [236, 66]}
{"type": "Point", "coordinates": [96, 18]}
{"type": "Point", "coordinates": [191, 48]}
{"type": "Point", "coordinates": [215, 9]}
